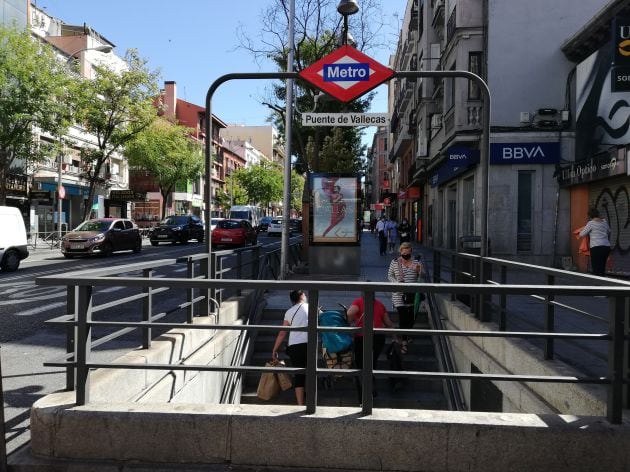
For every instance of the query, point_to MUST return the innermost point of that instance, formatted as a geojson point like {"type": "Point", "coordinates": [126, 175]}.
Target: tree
{"type": "Point", "coordinates": [168, 152]}
{"type": "Point", "coordinates": [317, 33]}
{"type": "Point", "coordinates": [297, 187]}
{"type": "Point", "coordinates": [115, 106]}
{"type": "Point", "coordinates": [263, 183]}
{"type": "Point", "coordinates": [340, 153]}
{"type": "Point", "coordinates": [35, 92]}
{"type": "Point", "coordinates": [232, 193]}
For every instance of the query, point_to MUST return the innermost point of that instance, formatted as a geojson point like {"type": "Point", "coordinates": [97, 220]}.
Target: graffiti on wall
{"type": "Point", "coordinates": [614, 205]}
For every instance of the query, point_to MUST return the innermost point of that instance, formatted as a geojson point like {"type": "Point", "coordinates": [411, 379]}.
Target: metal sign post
{"type": "Point", "coordinates": [348, 94]}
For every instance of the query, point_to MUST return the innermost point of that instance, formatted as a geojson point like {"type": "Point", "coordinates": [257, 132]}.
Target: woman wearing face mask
{"type": "Point", "coordinates": [404, 269]}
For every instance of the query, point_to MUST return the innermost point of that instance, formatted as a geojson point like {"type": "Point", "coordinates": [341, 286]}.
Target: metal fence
{"type": "Point", "coordinates": [82, 286]}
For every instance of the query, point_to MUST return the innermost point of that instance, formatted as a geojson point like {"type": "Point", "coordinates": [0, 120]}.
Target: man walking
{"type": "Point", "coordinates": [382, 235]}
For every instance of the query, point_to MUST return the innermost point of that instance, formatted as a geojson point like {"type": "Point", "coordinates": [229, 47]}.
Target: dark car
{"type": "Point", "coordinates": [234, 233]}
{"type": "Point", "coordinates": [264, 223]}
{"type": "Point", "coordinates": [178, 229]}
{"type": "Point", "coordinates": [102, 236]}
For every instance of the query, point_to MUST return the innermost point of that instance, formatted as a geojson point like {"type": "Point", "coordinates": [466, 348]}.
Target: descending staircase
{"type": "Point", "coordinates": [342, 391]}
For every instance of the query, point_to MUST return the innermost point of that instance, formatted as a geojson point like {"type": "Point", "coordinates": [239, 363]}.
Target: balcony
{"type": "Point", "coordinates": [474, 118]}
{"type": "Point", "coordinates": [436, 124]}
{"type": "Point", "coordinates": [449, 121]}
{"type": "Point", "coordinates": [438, 13]}
{"type": "Point", "coordinates": [405, 95]}
{"type": "Point", "coordinates": [451, 26]}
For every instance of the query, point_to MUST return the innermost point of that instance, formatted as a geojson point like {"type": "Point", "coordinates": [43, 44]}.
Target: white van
{"type": "Point", "coordinates": [12, 239]}
{"type": "Point", "coordinates": [251, 213]}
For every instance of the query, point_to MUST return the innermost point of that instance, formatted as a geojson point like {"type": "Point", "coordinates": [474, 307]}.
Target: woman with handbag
{"type": "Point", "coordinates": [296, 316]}
{"type": "Point", "coordinates": [404, 269]}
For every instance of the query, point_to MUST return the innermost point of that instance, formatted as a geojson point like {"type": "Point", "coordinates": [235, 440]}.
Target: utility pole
{"type": "Point", "coordinates": [286, 205]}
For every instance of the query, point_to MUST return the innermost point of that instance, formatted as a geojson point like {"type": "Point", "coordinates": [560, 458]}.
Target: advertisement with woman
{"type": "Point", "coordinates": [335, 206]}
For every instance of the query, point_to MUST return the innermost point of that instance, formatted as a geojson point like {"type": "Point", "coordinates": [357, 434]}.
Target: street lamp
{"type": "Point", "coordinates": [347, 8]}
{"type": "Point", "coordinates": [104, 49]}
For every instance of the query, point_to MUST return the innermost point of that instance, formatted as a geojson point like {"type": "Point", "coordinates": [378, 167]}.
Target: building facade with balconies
{"type": "Point", "coordinates": [67, 40]}
{"type": "Point", "coordinates": [437, 123]}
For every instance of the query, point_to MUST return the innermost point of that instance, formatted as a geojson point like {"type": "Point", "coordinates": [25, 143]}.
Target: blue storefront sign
{"type": "Point", "coordinates": [459, 160]}
{"type": "Point", "coordinates": [525, 153]}
{"type": "Point", "coordinates": [460, 156]}
{"type": "Point", "coordinates": [70, 189]}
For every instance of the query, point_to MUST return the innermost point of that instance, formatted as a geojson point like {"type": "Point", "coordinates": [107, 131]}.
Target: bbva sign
{"type": "Point", "coordinates": [525, 153]}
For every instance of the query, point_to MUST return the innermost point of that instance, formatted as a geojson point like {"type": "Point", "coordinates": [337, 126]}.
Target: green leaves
{"type": "Point", "coordinates": [168, 152]}
{"type": "Point", "coordinates": [34, 92]}
{"type": "Point", "coordinates": [115, 106]}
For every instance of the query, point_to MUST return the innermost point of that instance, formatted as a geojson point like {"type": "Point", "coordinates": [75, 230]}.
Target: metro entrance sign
{"type": "Point", "coordinates": [346, 73]}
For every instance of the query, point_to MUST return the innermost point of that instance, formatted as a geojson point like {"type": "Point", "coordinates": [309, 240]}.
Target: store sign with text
{"type": "Point", "coordinates": [599, 167]}
{"type": "Point", "coordinates": [525, 153]}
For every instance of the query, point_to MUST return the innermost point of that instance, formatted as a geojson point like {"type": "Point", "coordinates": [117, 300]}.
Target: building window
{"type": "Point", "coordinates": [524, 211]}
{"type": "Point", "coordinates": [468, 204]}
{"type": "Point", "coordinates": [449, 91]}
{"type": "Point", "coordinates": [474, 66]}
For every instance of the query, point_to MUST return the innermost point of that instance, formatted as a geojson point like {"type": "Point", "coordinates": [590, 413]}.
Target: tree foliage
{"type": "Point", "coordinates": [262, 183]}
{"type": "Point", "coordinates": [340, 152]}
{"type": "Point", "coordinates": [114, 107]}
{"type": "Point", "coordinates": [297, 187]}
{"type": "Point", "coordinates": [232, 193]}
{"type": "Point", "coordinates": [317, 33]}
{"type": "Point", "coordinates": [168, 152]}
{"type": "Point", "coordinates": [35, 92]}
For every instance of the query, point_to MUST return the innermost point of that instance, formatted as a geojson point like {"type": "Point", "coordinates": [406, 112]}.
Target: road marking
{"type": "Point", "coordinates": [39, 309]}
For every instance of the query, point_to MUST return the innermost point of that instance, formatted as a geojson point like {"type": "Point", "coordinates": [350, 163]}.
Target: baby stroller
{"type": "Point", "coordinates": [336, 345]}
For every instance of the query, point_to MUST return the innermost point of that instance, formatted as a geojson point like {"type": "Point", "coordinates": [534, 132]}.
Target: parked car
{"type": "Point", "coordinates": [178, 229]}
{"type": "Point", "coordinates": [102, 236]}
{"type": "Point", "coordinates": [264, 223]}
{"type": "Point", "coordinates": [13, 246]}
{"type": "Point", "coordinates": [275, 227]}
{"type": "Point", "coordinates": [214, 221]}
{"type": "Point", "coordinates": [234, 233]}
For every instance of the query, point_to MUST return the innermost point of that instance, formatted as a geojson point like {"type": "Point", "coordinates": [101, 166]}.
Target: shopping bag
{"type": "Point", "coordinates": [269, 385]}
{"type": "Point", "coordinates": [284, 379]}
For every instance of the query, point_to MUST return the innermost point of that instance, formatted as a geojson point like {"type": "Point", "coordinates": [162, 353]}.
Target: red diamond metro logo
{"type": "Point", "coordinates": [346, 73]}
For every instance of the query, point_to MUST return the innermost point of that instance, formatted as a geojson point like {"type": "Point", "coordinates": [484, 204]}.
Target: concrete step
{"type": "Point", "coordinates": [333, 391]}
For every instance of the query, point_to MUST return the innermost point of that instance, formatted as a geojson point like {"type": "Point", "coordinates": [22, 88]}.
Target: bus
{"type": "Point", "coordinates": [251, 213]}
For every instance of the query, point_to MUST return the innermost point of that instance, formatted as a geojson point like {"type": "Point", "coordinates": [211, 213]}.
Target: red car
{"type": "Point", "coordinates": [234, 233]}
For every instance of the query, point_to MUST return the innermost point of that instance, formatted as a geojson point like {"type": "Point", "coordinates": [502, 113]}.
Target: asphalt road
{"type": "Point", "coordinates": [26, 341]}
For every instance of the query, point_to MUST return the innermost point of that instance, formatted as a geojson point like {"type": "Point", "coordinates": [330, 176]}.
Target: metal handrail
{"type": "Point", "coordinates": [615, 380]}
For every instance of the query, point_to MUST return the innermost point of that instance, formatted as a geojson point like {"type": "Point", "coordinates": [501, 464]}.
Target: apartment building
{"type": "Point", "coordinates": [436, 124]}
{"type": "Point", "coordinates": [188, 196]}
{"type": "Point", "coordinates": [76, 43]}
{"type": "Point", "coordinates": [377, 182]}
{"type": "Point", "coordinates": [263, 138]}
{"type": "Point", "coordinates": [599, 176]}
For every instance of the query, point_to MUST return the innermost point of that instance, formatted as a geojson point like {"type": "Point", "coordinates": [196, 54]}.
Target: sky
{"type": "Point", "coordinates": [193, 42]}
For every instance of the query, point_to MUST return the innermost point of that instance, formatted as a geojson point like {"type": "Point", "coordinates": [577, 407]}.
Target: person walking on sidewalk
{"type": "Point", "coordinates": [382, 236]}
{"type": "Point", "coordinates": [598, 231]}
{"type": "Point", "coordinates": [296, 316]}
{"type": "Point", "coordinates": [404, 269]}
{"type": "Point", "coordinates": [404, 229]}
{"type": "Point", "coordinates": [391, 228]}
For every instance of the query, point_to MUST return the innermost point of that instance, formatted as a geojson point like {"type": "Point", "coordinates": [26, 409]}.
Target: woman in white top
{"type": "Point", "coordinates": [404, 269]}
{"type": "Point", "coordinates": [598, 231]}
{"type": "Point", "coordinates": [296, 316]}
